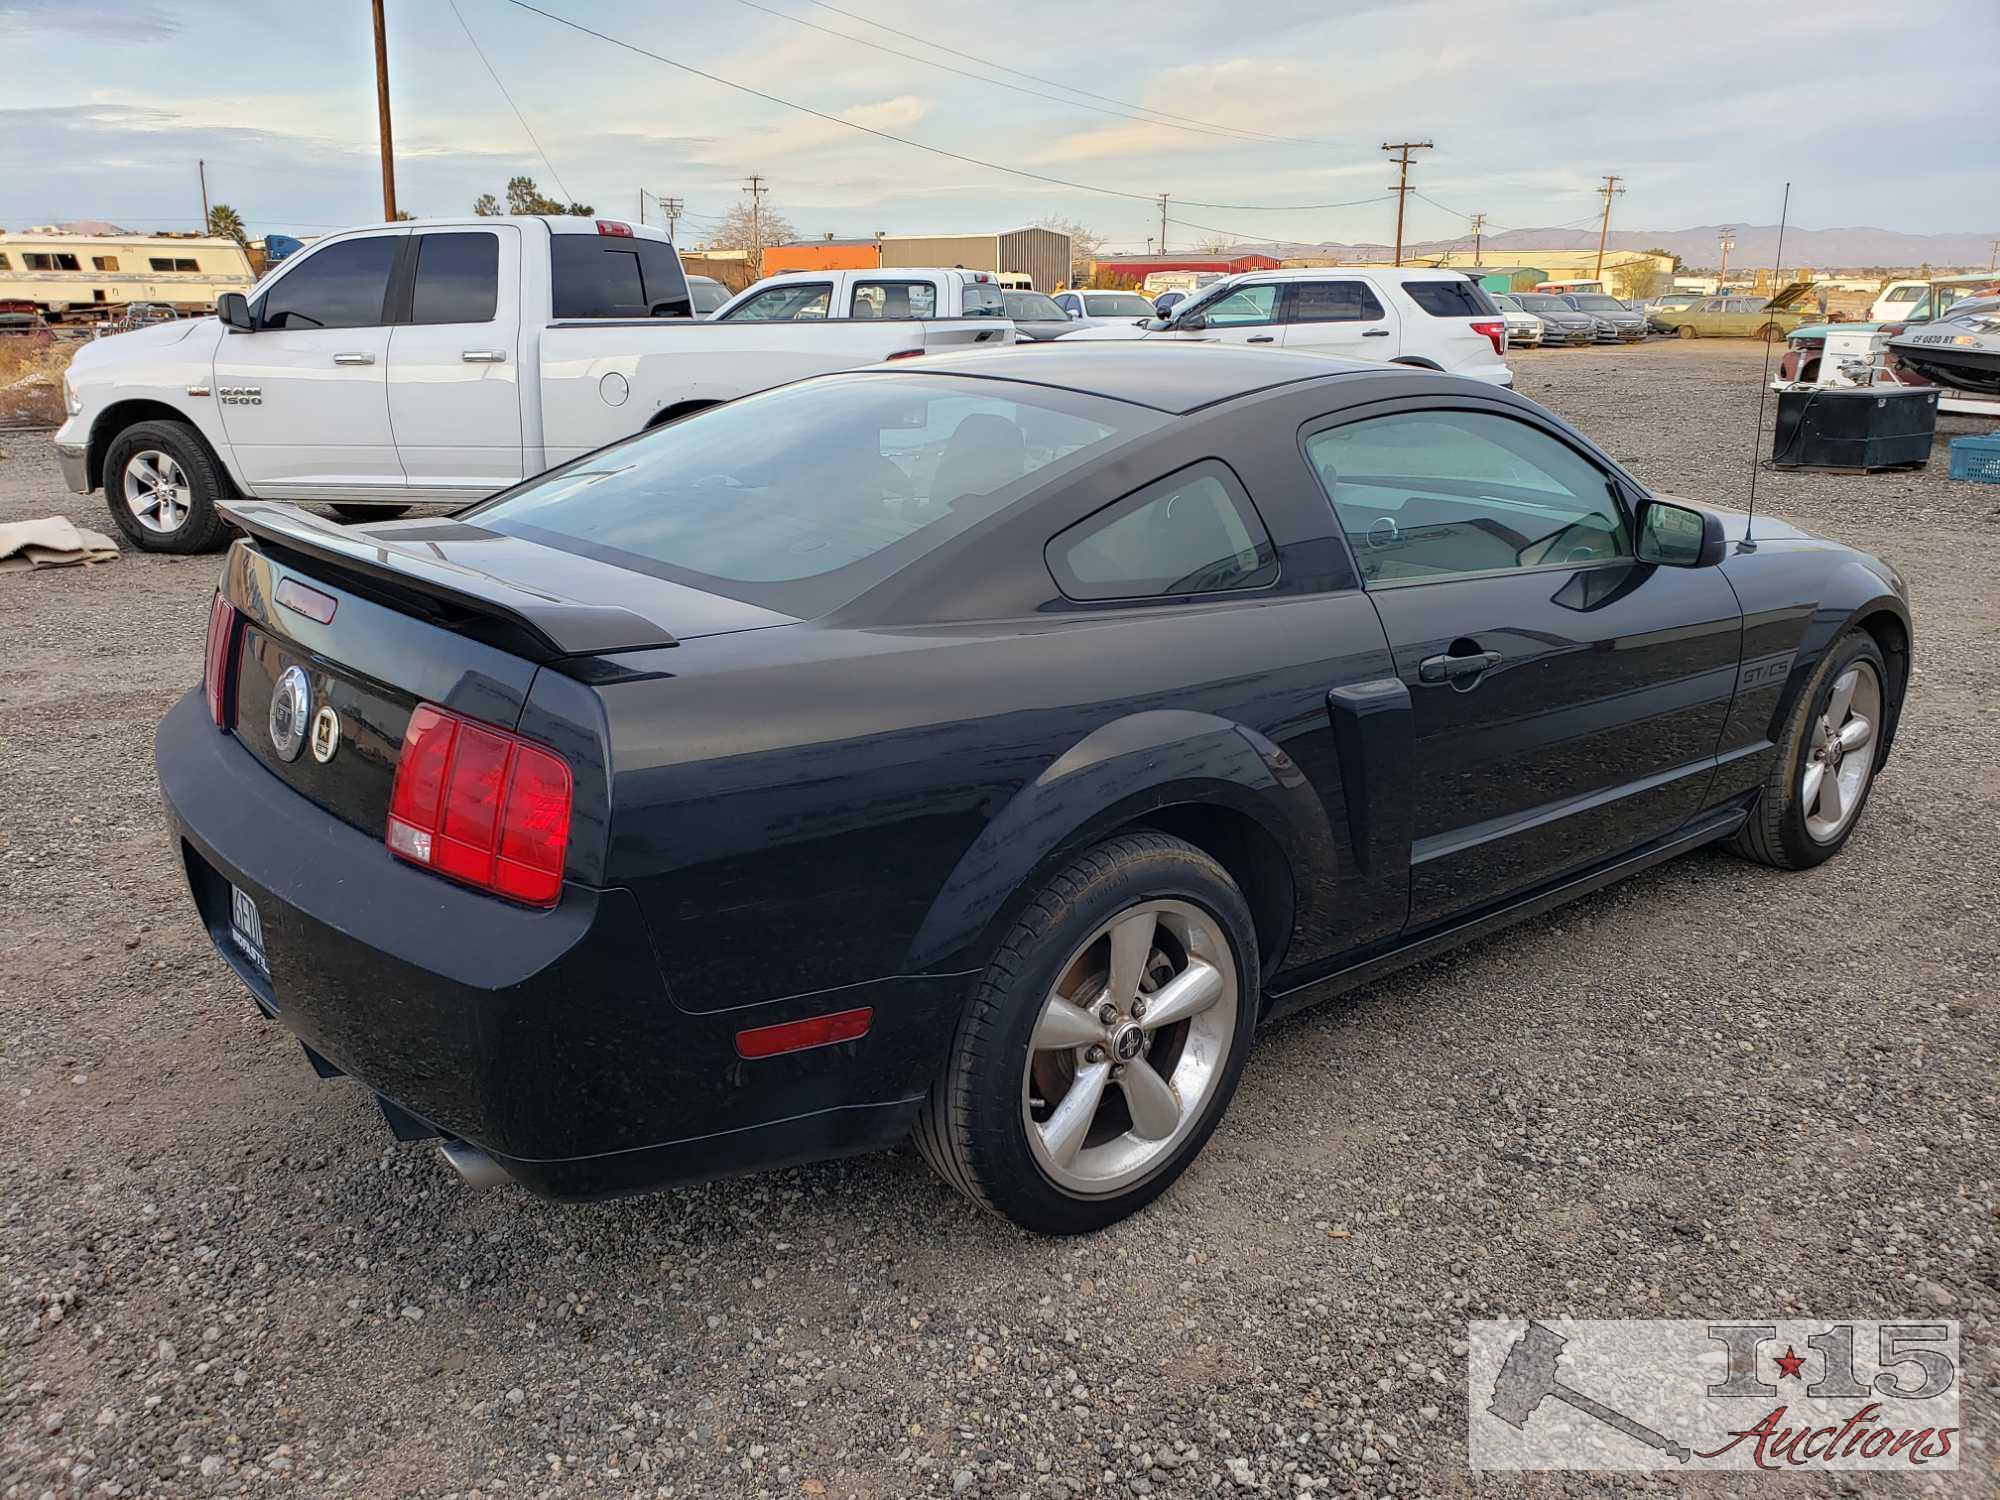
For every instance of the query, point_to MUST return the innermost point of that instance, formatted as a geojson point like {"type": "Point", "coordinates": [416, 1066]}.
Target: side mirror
{"type": "Point", "coordinates": [1192, 323]}
{"type": "Point", "coordinates": [233, 308]}
{"type": "Point", "coordinates": [1678, 537]}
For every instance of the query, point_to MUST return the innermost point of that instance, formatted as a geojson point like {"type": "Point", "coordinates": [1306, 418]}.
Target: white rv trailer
{"type": "Point", "coordinates": [99, 275]}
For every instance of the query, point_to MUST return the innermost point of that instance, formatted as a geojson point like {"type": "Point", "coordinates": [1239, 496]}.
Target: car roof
{"type": "Point", "coordinates": [1168, 377]}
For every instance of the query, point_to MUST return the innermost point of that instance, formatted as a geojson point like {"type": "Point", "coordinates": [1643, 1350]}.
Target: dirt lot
{"type": "Point", "coordinates": [1716, 1090]}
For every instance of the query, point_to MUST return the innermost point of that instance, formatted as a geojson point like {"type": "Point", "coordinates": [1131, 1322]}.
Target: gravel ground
{"type": "Point", "coordinates": [1714, 1090]}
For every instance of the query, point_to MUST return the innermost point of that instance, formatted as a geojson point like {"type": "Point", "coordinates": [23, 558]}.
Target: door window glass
{"type": "Point", "coordinates": [894, 299]}
{"type": "Point", "coordinates": [982, 299]}
{"type": "Point", "coordinates": [1194, 532]}
{"type": "Point", "coordinates": [1436, 494]}
{"type": "Point", "coordinates": [1247, 304]}
{"type": "Point", "coordinates": [796, 302]}
{"type": "Point", "coordinates": [1333, 302]}
{"type": "Point", "coordinates": [342, 286]}
{"type": "Point", "coordinates": [458, 278]}
{"type": "Point", "coordinates": [615, 276]}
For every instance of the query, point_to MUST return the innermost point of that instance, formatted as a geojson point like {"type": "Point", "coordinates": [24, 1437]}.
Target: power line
{"type": "Point", "coordinates": [903, 140]}
{"type": "Point", "coordinates": [1069, 87]}
{"type": "Point", "coordinates": [553, 173]}
{"type": "Point", "coordinates": [1224, 133]}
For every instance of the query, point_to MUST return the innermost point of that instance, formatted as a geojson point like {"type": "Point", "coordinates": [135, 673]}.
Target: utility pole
{"type": "Point", "coordinates": [382, 110]}
{"type": "Point", "coordinates": [642, 205]}
{"type": "Point", "coordinates": [756, 189]}
{"type": "Point", "coordinates": [1726, 238]}
{"type": "Point", "coordinates": [1478, 230]}
{"type": "Point", "coordinates": [1610, 190]}
{"type": "Point", "coordinates": [1402, 189]}
{"type": "Point", "coordinates": [671, 207]}
{"type": "Point", "coordinates": [1163, 223]}
{"type": "Point", "coordinates": [1993, 257]}
{"type": "Point", "coordinates": [202, 168]}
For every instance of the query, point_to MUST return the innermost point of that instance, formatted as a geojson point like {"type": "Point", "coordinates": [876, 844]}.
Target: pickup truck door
{"type": "Point", "coordinates": [1339, 317]}
{"type": "Point", "coordinates": [454, 366]}
{"type": "Point", "coordinates": [304, 398]}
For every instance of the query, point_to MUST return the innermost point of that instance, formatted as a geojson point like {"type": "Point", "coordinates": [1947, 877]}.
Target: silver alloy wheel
{"type": "Point", "coordinates": [1131, 1042]}
{"type": "Point", "coordinates": [157, 490]}
{"type": "Point", "coordinates": [1841, 753]}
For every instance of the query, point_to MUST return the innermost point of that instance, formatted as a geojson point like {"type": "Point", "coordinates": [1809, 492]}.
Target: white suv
{"type": "Point", "coordinates": [1438, 320]}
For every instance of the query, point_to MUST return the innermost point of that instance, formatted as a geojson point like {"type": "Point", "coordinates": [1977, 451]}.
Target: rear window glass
{"type": "Point", "coordinates": [1033, 307]}
{"type": "Point", "coordinates": [612, 276]}
{"type": "Point", "coordinates": [802, 497]}
{"type": "Point", "coordinates": [1449, 299]}
{"type": "Point", "coordinates": [458, 278]}
{"type": "Point", "coordinates": [983, 299]}
{"type": "Point", "coordinates": [1117, 305]}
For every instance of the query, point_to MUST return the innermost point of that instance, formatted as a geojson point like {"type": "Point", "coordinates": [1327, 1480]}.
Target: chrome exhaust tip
{"type": "Point", "coordinates": [477, 1168]}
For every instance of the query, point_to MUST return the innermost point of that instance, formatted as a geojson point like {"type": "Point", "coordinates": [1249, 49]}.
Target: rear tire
{"type": "Point", "coordinates": [161, 486]}
{"type": "Point", "coordinates": [359, 513]}
{"type": "Point", "coordinates": [1812, 799]}
{"type": "Point", "coordinates": [1053, 1116]}
{"type": "Point", "coordinates": [1768, 332]}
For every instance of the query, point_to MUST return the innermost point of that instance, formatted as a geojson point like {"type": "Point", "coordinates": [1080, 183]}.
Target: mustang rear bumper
{"type": "Point", "coordinates": [545, 1038]}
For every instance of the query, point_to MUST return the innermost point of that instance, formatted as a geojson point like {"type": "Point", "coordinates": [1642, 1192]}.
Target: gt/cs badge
{"type": "Point", "coordinates": [291, 705]}
{"type": "Point", "coordinates": [325, 735]}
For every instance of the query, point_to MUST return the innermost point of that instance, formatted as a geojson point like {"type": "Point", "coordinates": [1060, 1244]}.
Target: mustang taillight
{"type": "Point", "coordinates": [1496, 333]}
{"type": "Point", "coordinates": [215, 661]}
{"type": "Point", "coordinates": [481, 806]}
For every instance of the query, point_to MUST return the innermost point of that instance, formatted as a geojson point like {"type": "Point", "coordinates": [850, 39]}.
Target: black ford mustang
{"type": "Point", "coordinates": [981, 747]}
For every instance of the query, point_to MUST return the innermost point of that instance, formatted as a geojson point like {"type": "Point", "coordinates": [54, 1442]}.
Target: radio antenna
{"type": "Point", "coordinates": [1764, 381]}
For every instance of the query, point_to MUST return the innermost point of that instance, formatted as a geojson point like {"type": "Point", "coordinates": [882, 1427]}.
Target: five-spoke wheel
{"type": "Point", "coordinates": [1840, 751]}
{"type": "Point", "coordinates": [157, 490]}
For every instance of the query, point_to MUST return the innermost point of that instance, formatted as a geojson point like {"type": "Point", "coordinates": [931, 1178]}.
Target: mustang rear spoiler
{"type": "Point", "coordinates": [531, 623]}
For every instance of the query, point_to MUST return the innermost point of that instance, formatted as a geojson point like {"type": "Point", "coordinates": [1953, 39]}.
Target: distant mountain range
{"type": "Point", "coordinates": [1756, 245]}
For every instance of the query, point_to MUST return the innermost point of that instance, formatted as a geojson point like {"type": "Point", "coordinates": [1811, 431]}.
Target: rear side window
{"type": "Point", "coordinates": [795, 302]}
{"type": "Point", "coordinates": [1457, 298]}
{"type": "Point", "coordinates": [458, 278]}
{"type": "Point", "coordinates": [1194, 532]}
{"type": "Point", "coordinates": [984, 300]}
{"type": "Point", "coordinates": [342, 286]}
{"type": "Point", "coordinates": [614, 276]}
{"type": "Point", "coordinates": [894, 299]}
{"type": "Point", "coordinates": [1334, 302]}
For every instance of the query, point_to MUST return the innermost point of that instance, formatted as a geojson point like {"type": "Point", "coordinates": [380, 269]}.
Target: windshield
{"type": "Point", "coordinates": [802, 497]}
{"type": "Point", "coordinates": [1591, 302]}
{"type": "Point", "coordinates": [1034, 307]}
{"type": "Point", "coordinates": [1541, 303]}
{"type": "Point", "coordinates": [1116, 305]}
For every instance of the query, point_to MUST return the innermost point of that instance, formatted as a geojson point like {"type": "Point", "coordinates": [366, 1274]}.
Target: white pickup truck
{"type": "Point", "coordinates": [435, 361]}
{"type": "Point", "coordinates": [813, 296]}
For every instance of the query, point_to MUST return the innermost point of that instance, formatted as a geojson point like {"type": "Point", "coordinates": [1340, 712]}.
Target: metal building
{"type": "Point", "coordinates": [1042, 255]}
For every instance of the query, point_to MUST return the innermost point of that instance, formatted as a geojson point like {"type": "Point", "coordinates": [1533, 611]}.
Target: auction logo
{"type": "Point", "coordinates": [1776, 1396]}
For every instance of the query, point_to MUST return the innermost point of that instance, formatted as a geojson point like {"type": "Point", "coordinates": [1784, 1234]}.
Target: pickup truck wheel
{"type": "Point", "coordinates": [161, 486]}
{"type": "Point", "coordinates": [1687, 331]}
{"type": "Point", "coordinates": [360, 513]}
{"type": "Point", "coordinates": [1103, 1042]}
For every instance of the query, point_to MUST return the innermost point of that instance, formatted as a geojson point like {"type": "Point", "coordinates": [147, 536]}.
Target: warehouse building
{"type": "Point", "coordinates": [1042, 255]}
{"type": "Point", "coordinates": [1132, 270]}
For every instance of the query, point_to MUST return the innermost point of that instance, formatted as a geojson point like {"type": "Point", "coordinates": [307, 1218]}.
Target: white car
{"type": "Point", "coordinates": [1523, 327]}
{"type": "Point", "coordinates": [1094, 309]}
{"type": "Point", "coordinates": [439, 360]}
{"type": "Point", "coordinates": [1437, 320]}
{"type": "Point", "coordinates": [1897, 301]}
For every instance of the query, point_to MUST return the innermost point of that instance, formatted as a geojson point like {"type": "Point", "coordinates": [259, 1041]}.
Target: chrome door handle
{"type": "Point", "coordinates": [484, 356]}
{"type": "Point", "coordinates": [354, 359]}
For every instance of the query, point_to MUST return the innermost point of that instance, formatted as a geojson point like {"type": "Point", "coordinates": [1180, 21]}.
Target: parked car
{"type": "Point", "coordinates": [1561, 323]}
{"type": "Point", "coordinates": [682, 812]}
{"type": "Point", "coordinates": [1897, 300]}
{"type": "Point", "coordinates": [1523, 327]}
{"type": "Point", "coordinates": [906, 292]}
{"type": "Point", "coordinates": [1669, 302]}
{"type": "Point", "coordinates": [1436, 319]}
{"type": "Point", "coordinates": [436, 361]}
{"type": "Point", "coordinates": [1036, 317]}
{"type": "Point", "coordinates": [1739, 317]}
{"type": "Point", "coordinates": [1166, 302]}
{"type": "Point", "coordinates": [707, 294]}
{"type": "Point", "coordinates": [1616, 323]}
{"type": "Point", "coordinates": [19, 316]}
{"type": "Point", "coordinates": [1092, 309]}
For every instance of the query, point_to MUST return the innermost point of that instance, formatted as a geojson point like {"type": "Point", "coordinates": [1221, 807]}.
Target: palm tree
{"type": "Point", "coordinates": [222, 219]}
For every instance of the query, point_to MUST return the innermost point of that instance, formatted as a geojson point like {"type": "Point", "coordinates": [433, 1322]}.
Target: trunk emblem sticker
{"type": "Point", "coordinates": [291, 703]}
{"type": "Point", "coordinates": [326, 735]}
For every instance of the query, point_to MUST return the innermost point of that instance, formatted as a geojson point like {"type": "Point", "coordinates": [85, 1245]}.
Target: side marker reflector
{"type": "Point", "coordinates": [800, 1036]}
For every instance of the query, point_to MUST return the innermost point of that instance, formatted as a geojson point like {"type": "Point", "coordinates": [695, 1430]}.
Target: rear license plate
{"type": "Point", "coordinates": [247, 929]}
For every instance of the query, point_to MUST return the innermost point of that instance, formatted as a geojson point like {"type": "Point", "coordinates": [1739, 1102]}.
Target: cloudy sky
{"type": "Point", "coordinates": [1261, 112]}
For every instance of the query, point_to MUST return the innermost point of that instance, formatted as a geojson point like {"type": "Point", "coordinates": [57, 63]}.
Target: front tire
{"type": "Point", "coordinates": [161, 486]}
{"type": "Point", "coordinates": [1687, 331]}
{"type": "Point", "coordinates": [1103, 1042]}
{"type": "Point", "coordinates": [1825, 767]}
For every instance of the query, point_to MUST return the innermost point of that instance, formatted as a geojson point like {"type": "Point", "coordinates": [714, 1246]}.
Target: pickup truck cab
{"type": "Point", "coordinates": [428, 361]}
{"type": "Point", "coordinates": [869, 296]}
{"type": "Point", "coordinates": [1436, 320]}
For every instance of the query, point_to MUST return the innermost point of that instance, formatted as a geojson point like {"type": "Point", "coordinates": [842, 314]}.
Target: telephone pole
{"type": "Point", "coordinates": [1726, 238]}
{"type": "Point", "coordinates": [1610, 190]}
{"type": "Point", "coordinates": [671, 207]}
{"type": "Point", "coordinates": [756, 189]}
{"type": "Point", "coordinates": [1993, 257]}
{"type": "Point", "coordinates": [382, 110]}
{"type": "Point", "coordinates": [1163, 223]}
{"type": "Point", "coordinates": [202, 168]}
{"type": "Point", "coordinates": [1402, 189]}
{"type": "Point", "coordinates": [1478, 231]}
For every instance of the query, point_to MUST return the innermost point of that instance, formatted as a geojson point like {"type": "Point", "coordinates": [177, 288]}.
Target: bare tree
{"type": "Point", "coordinates": [741, 229]}
{"type": "Point", "coordinates": [1084, 244]}
{"type": "Point", "coordinates": [1215, 244]}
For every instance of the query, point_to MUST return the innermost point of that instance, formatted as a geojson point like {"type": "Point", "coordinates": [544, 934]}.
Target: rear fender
{"type": "Point", "coordinates": [1114, 778]}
